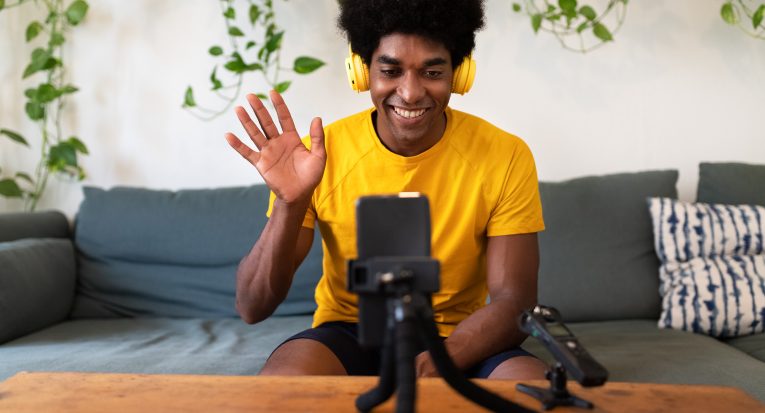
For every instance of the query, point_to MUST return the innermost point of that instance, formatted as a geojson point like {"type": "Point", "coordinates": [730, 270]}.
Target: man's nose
{"type": "Point", "coordinates": [411, 88]}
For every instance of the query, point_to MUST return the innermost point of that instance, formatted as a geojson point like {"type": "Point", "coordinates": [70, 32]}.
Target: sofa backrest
{"type": "Point", "coordinates": [597, 258]}
{"type": "Point", "coordinates": [159, 253]}
{"type": "Point", "coordinates": [46, 224]}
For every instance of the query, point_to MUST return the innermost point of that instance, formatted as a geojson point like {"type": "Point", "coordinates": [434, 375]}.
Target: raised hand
{"type": "Point", "coordinates": [287, 166]}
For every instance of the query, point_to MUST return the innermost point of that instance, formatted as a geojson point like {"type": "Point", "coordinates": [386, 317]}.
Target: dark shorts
{"type": "Point", "coordinates": [341, 338]}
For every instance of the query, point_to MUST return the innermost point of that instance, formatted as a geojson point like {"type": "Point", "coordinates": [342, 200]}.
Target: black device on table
{"type": "Point", "coordinates": [546, 325]}
{"type": "Point", "coordinates": [394, 276]}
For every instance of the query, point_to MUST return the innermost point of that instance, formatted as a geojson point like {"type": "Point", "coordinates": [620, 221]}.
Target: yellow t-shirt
{"type": "Point", "coordinates": [480, 182]}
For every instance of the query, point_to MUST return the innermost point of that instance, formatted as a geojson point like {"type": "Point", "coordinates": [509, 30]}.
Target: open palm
{"type": "Point", "coordinates": [288, 167]}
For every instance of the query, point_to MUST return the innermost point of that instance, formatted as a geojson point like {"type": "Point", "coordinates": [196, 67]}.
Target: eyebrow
{"type": "Point", "coordinates": [387, 60]}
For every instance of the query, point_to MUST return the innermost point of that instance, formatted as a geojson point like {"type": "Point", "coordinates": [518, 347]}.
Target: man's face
{"type": "Point", "coordinates": [410, 80]}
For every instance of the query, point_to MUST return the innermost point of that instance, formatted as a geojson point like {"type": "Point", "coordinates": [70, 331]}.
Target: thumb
{"type": "Point", "coordinates": [317, 138]}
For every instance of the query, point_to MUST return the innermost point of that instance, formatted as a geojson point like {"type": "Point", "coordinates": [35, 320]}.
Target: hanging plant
{"type": "Point", "coordinates": [578, 27]}
{"type": "Point", "coordinates": [46, 102]}
{"type": "Point", "coordinates": [747, 15]}
{"type": "Point", "coordinates": [254, 49]}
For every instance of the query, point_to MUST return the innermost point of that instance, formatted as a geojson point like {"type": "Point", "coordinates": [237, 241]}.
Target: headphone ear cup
{"type": "Point", "coordinates": [464, 75]}
{"type": "Point", "coordinates": [358, 73]}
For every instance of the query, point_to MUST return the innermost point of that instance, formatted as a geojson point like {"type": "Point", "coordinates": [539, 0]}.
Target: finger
{"type": "Point", "coordinates": [317, 138]}
{"type": "Point", "coordinates": [244, 150]}
{"type": "Point", "coordinates": [252, 129]}
{"type": "Point", "coordinates": [285, 119]}
{"type": "Point", "coordinates": [264, 118]}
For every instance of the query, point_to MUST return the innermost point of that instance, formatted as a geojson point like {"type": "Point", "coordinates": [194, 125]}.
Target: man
{"type": "Point", "coordinates": [481, 183]}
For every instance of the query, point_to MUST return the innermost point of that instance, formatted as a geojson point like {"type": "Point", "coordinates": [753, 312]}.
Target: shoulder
{"type": "Point", "coordinates": [480, 140]}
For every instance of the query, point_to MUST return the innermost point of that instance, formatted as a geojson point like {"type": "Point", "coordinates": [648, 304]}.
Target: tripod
{"type": "Point", "coordinates": [409, 311]}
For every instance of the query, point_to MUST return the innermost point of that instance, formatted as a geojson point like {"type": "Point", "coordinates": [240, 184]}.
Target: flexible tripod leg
{"type": "Point", "coordinates": [387, 384]}
{"type": "Point", "coordinates": [406, 339]}
{"type": "Point", "coordinates": [453, 376]}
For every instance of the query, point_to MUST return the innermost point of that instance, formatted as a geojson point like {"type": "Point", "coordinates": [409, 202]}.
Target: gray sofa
{"type": "Point", "coordinates": [144, 282]}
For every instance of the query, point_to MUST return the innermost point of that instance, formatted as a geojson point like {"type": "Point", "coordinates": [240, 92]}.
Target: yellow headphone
{"type": "Point", "coordinates": [358, 74]}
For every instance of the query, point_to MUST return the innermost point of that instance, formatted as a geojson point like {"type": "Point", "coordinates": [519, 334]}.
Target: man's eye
{"type": "Point", "coordinates": [433, 74]}
{"type": "Point", "coordinates": [390, 72]}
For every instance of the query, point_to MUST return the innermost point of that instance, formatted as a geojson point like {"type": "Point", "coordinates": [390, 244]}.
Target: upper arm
{"type": "Point", "coordinates": [303, 245]}
{"type": "Point", "coordinates": [512, 263]}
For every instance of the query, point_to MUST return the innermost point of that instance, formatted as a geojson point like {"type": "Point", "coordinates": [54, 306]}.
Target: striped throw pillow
{"type": "Point", "coordinates": [712, 266]}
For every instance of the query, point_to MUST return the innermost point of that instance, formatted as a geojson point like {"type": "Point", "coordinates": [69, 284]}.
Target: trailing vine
{"type": "Point", "coordinates": [743, 13]}
{"type": "Point", "coordinates": [46, 102]}
{"type": "Point", "coordinates": [257, 51]}
{"type": "Point", "coordinates": [579, 28]}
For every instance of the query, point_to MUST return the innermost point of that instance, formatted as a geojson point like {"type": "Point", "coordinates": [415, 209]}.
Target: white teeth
{"type": "Point", "coordinates": [409, 114]}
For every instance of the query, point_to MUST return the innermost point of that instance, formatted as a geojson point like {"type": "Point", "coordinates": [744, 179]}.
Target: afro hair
{"type": "Point", "coordinates": [452, 23]}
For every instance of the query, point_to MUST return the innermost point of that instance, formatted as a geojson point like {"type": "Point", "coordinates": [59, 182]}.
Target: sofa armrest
{"type": "Point", "coordinates": [37, 282]}
{"type": "Point", "coordinates": [47, 224]}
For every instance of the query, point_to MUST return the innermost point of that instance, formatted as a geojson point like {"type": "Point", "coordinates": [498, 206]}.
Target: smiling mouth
{"type": "Point", "coordinates": [409, 114]}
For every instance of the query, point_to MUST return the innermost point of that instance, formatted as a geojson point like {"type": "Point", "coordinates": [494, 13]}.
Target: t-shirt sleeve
{"type": "Point", "coordinates": [519, 208]}
{"type": "Point", "coordinates": [310, 214]}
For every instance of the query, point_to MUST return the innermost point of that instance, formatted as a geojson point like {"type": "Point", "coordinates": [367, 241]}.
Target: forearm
{"type": "Point", "coordinates": [265, 274]}
{"type": "Point", "coordinates": [488, 331]}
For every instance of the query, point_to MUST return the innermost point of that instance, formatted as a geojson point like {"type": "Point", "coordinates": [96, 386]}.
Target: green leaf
{"type": "Point", "coordinates": [39, 59]}
{"type": "Point", "coordinates": [188, 98]}
{"type": "Point", "coordinates": [601, 32]}
{"type": "Point", "coordinates": [581, 27]}
{"type": "Point", "coordinates": [25, 177]}
{"type": "Point", "coordinates": [2, 4]}
{"type": "Point", "coordinates": [214, 79]}
{"type": "Point", "coordinates": [14, 136]}
{"type": "Point", "coordinates": [261, 96]}
{"type": "Point", "coordinates": [306, 64]}
{"type": "Point", "coordinates": [61, 156]}
{"type": "Point", "coordinates": [567, 5]}
{"type": "Point", "coordinates": [78, 145]}
{"type": "Point", "coordinates": [216, 51]}
{"type": "Point", "coordinates": [10, 189]}
{"type": "Point", "coordinates": [67, 90]}
{"type": "Point", "coordinates": [274, 41]}
{"type": "Point", "coordinates": [588, 13]}
{"type": "Point", "coordinates": [56, 39]}
{"type": "Point", "coordinates": [516, 7]}
{"type": "Point", "coordinates": [31, 93]}
{"type": "Point", "coordinates": [234, 31]}
{"type": "Point", "coordinates": [758, 15]}
{"type": "Point", "coordinates": [536, 22]}
{"type": "Point", "coordinates": [33, 30]}
{"type": "Point", "coordinates": [76, 12]}
{"type": "Point", "coordinates": [46, 93]}
{"type": "Point", "coordinates": [728, 14]}
{"type": "Point", "coordinates": [34, 110]}
{"type": "Point", "coordinates": [283, 86]}
{"type": "Point", "coordinates": [253, 67]}
{"type": "Point", "coordinates": [254, 14]}
{"type": "Point", "coordinates": [230, 13]}
{"type": "Point", "coordinates": [250, 45]}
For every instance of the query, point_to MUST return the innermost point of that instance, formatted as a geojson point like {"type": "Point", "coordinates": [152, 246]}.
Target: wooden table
{"type": "Point", "coordinates": [95, 392]}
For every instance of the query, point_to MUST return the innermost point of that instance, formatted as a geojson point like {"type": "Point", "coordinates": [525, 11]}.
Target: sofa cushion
{"type": "Point", "coordinates": [753, 345]}
{"type": "Point", "coordinates": [713, 266]}
{"type": "Point", "coordinates": [637, 351]}
{"type": "Point", "coordinates": [597, 260]}
{"type": "Point", "coordinates": [731, 183]}
{"type": "Point", "coordinates": [159, 253]}
{"type": "Point", "coordinates": [150, 345]}
{"type": "Point", "coordinates": [37, 278]}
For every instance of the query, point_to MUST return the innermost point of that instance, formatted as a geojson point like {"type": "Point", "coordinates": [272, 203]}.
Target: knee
{"type": "Point", "coordinates": [520, 368]}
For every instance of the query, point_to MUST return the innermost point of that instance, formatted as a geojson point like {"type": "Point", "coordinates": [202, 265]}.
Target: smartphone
{"type": "Point", "coordinates": [387, 226]}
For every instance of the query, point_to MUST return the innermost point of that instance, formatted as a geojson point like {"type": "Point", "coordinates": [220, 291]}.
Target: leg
{"type": "Point", "coordinates": [303, 357]}
{"type": "Point", "coordinates": [520, 368]}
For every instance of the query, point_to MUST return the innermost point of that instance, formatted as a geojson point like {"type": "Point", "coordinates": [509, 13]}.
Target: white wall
{"type": "Point", "coordinates": [677, 87]}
